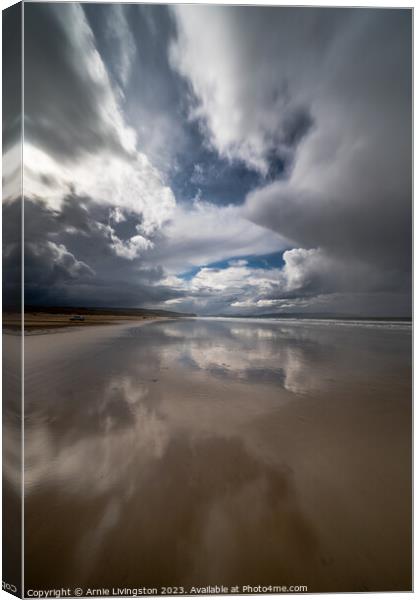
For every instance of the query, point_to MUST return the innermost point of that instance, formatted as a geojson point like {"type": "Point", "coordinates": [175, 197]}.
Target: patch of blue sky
{"type": "Point", "coordinates": [274, 260]}
{"type": "Point", "coordinates": [214, 179]}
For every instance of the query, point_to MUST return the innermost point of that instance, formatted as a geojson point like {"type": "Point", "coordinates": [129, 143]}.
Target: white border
{"type": "Point", "coordinates": [307, 3]}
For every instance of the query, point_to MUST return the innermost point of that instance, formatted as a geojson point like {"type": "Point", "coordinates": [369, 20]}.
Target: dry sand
{"type": "Point", "coordinates": [45, 321]}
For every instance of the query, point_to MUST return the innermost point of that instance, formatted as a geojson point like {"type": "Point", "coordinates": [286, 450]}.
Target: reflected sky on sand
{"type": "Point", "coordinates": [195, 452]}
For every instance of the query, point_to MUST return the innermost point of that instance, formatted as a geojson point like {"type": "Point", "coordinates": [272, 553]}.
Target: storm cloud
{"type": "Point", "coordinates": [347, 197]}
{"type": "Point", "coordinates": [71, 259]}
{"type": "Point", "coordinates": [171, 152]}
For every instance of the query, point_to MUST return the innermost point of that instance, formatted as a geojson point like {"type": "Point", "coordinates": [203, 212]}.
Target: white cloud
{"type": "Point", "coordinates": [306, 279]}
{"type": "Point", "coordinates": [56, 258]}
{"type": "Point", "coordinates": [347, 192]}
{"type": "Point", "coordinates": [116, 215]}
{"type": "Point", "coordinates": [328, 92]}
{"type": "Point", "coordinates": [130, 249]}
{"type": "Point", "coordinates": [212, 286]}
{"type": "Point", "coordinates": [124, 184]}
{"type": "Point", "coordinates": [12, 172]}
{"type": "Point", "coordinates": [62, 257]}
{"type": "Point", "coordinates": [234, 60]}
{"type": "Point", "coordinates": [119, 33]}
{"type": "Point", "coordinates": [113, 173]}
{"type": "Point", "coordinates": [235, 278]}
{"type": "Point", "coordinates": [204, 233]}
{"type": "Point", "coordinates": [93, 71]}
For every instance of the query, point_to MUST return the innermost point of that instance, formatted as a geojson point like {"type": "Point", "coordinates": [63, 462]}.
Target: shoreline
{"type": "Point", "coordinates": [42, 324]}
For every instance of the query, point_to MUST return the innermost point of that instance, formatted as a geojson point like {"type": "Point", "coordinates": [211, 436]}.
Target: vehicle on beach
{"type": "Point", "coordinates": [76, 318]}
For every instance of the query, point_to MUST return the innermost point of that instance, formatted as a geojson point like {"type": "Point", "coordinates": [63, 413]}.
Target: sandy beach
{"type": "Point", "coordinates": [44, 322]}
{"type": "Point", "coordinates": [197, 452]}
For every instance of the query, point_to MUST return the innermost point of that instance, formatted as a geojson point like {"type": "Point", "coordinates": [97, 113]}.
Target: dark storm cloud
{"type": "Point", "coordinates": [245, 101]}
{"type": "Point", "coordinates": [338, 84]}
{"type": "Point", "coordinates": [306, 113]}
{"type": "Point", "coordinates": [350, 192]}
{"type": "Point", "coordinates": [12, 157]}
{"type": "Point", "coordinates": [69, 259]}
{"type": "Point", "coordinates": [64, 98]}
{"type": "Point", "coordinates": [134, 41]}
{"type": "Point", "coordinates": [12, 254]}
{"type": "Point", "coordinates": [93, 202]}
{"type": "Point", "coordinates": [12, 82]}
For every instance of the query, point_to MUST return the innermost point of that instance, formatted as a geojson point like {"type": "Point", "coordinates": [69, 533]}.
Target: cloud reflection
{"type": "Point", "coordinates": [159, 455]}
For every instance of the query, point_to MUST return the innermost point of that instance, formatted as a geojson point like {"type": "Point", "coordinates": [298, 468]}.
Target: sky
{"type": "Point", "coordinates": [219, 160]}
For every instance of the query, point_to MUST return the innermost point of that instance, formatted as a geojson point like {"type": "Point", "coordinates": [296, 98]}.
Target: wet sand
{"type": "Point", "coordinates": [12, 459]}
{"type": "Point", "coordinates": [229, 452]}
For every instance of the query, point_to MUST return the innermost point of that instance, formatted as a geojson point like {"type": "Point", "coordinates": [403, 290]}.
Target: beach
{"type": "Point", "coordinates": [201, 452]}
{"type": "Point", "coordinates": [45, 322]}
